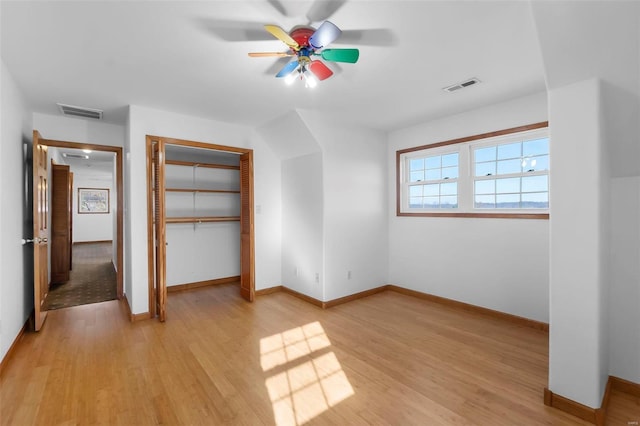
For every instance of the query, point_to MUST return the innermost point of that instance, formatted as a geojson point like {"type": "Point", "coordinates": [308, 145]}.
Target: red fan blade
{"type": "Point", "coordinates": [320, 70]}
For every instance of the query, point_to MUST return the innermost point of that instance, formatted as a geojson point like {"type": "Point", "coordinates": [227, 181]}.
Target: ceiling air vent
{"type": "Point", "coordinates": [67, 155]}
{"type": "Point", "coordinates": [83, 112]}
{"type": "Point", "coordinates": [462, 85]}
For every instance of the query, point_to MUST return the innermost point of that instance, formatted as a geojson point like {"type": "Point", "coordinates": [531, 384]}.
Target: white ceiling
{"type": "Point", "coordinates": [191, 57]}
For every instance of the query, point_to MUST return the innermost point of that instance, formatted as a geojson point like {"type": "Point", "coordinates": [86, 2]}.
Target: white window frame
{"type": "Point", "coordinates": [430, 153]}
{"type": "Point", "coordinates": [466, 174]}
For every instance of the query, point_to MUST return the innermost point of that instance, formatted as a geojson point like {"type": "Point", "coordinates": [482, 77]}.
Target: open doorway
{"type": "Point", "coordinates": [85, 225]}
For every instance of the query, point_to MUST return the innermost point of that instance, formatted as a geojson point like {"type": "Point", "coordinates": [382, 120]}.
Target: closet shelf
{"type": "Point", "coordinates": [221, 191]}
{"type": "Point", "coordinates": [195, 164]}
{"type": "Point", "coordinates": [202, 219]}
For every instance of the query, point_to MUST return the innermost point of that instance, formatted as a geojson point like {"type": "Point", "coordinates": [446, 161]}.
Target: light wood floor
{"type": "Point", "coordinates": [386, 359]}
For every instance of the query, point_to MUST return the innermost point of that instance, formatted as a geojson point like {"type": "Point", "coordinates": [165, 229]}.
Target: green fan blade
{"type": "Point", "coordinates": [341, 55]}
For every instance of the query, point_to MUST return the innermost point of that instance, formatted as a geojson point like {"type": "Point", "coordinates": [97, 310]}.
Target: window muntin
{"type": "Point", "coordinates": [434, 167]}
{"type": "Point", "coordinates": [512, 175]}
{"type": "Point", "coordinates": [432, 181]}
{"type": "Point", "coordinates": [501, 174]}
{"type": "Point", "coordinates": [518, 157]}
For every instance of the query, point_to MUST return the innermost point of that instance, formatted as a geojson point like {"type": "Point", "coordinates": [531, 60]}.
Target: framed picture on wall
{"type": "Point", "coordinates": [93, 200]}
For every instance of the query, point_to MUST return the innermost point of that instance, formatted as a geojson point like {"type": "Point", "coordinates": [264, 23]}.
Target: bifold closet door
{"type": "Point", "coordinates": [247, 270]}
{"type": "Point", "coordinates": [159, 229]}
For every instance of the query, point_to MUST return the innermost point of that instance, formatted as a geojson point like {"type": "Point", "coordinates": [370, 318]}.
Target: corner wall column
{"type": "Point", "coordinates": [579, 244]}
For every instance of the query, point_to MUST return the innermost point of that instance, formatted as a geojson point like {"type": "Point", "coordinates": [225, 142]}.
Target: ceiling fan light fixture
{"type": "Point", "coordinates": [290, 78]}
{"type": "Point", "coordinates": [310, 80]}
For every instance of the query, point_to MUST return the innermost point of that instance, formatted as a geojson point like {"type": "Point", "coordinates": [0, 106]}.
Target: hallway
{"type": "Point", "coordinates": [93, 278]}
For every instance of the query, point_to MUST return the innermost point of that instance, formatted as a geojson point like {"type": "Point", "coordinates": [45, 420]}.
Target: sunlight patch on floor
{"type": "Point", "coordinates": [305, 376]}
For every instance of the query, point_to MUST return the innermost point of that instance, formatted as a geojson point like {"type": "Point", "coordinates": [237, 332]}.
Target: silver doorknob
{"type": "Point", "coordinates": [27, 240]}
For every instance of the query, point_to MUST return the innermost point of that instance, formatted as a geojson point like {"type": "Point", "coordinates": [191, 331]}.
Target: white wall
{"type": "Point", "coordinates": [354, 170]}
{"type": "Point", "coordinates": [80, 130]}
{"type": "Point", "coordinates": [92, 227]}
{"type": "Point", "coordinates": [499, 264]}
{"type": "Point", "coordinates": [144, 121]}
{"type": "Point", "coordinates": [581, 41]}
{"type": "Point", "coordinates": [624, 288]}
{"type": "Point", "coordinates": [16, 260]}
{"type": "Point", "coordinates": [202, 251]}
{"type": "Point", "coordinates": [302, 225]}
{"type": "Point", "coordinates": [579, 242]}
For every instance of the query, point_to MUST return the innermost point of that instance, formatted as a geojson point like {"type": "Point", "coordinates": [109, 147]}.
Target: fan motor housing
{"type": "Point", "coordinates": [301, 35]}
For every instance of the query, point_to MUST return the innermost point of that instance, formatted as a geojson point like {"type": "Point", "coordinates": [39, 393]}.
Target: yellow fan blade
{"type": "Point", "coordinates": [281, 34]}
{"type": "Point", "coordinates": [270, 54]}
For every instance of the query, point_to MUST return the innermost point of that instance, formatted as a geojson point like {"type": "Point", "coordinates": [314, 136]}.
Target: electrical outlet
{"type": "Point", "coordinates": [348, 275]}
{"type": "Point", "coordinates": [317, 277]}
{"type": "Point", "coordinates": [295, 271]}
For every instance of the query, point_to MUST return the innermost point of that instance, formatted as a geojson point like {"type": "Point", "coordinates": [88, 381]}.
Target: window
{"type": "Point", "coordinates": [501, 174]}
{"type": "Point", "coordinates": [512, 175]}
{"type": "Point", "coordinates": [433, 181]}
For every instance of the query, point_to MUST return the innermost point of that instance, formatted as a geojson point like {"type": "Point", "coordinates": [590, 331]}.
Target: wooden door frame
{"type": "Point", "coordinates": [119, 198]}
{"type": "Point", "coordinates": [150, 140]}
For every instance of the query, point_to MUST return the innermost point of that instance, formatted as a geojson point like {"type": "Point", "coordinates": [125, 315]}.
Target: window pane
{"type": "Point", "coordinates": [512, 150]}
{"type": "Point", "coordinates": [535, 163]}
{"type": "Point", "coordinates": [415, 191]}
{"type": "Point", "coordinates": [509, 166]}
{"type": "Point", "coordinates": [431, 202]}
{"type": "Point", "coordinates": [432, 162]}
{"type": "Point", "coordinates": [433, 174]}
{"type": "Point", "coordinates": [432, 190]}
{"type": "Point", "coordinates": [485, 202]}
{"type": "Point", "coordinates": [535, 147]}
{"type": "Point", "coordinates": [415, 202]}
{"type": "Point", "coordinates": [538, 200]}
{"type": "Point", "coordinates": [508, 201]}
{"type": "Point", "coordinates": [449, 188]}
{"type": "Point", "coordinates": [417, 176]}
{"type": "Point", "coordinates": [485, 154]}
{"type": "Point", "coordinates": [485, 186]}
{"type": "Point", "coordinates": [535, 184]}
{"type": "Point", "coordinates": [486, 169]}
{"type": "Point", "coordinates": [449, 202]}
{"type": "Point", "coordinates": [450, 160]}
{"type": "Point", "coordinates": [511, 185]}
{"type": "Point", "coordinates": [449, 172]}
{"type": "Point", "coordinates": [416, 164]}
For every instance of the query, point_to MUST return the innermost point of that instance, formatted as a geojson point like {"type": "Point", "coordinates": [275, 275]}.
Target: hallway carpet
{"type": "Point", "coordinates": [93, 278]}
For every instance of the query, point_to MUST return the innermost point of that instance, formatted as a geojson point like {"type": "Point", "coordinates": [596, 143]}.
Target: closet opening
{"type": "Point", "coordinates": [200, 218]}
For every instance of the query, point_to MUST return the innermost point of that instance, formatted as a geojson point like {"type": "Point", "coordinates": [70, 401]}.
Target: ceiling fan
{"type": "Point", "coordinates": [305, 43]}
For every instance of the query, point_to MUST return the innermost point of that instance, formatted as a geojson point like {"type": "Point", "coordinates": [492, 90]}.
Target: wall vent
{"type": "Point", "coordinates": [461, 85]}
{"type": "Point", "coordinates": [66, 155]}
{"type": "Point", "coordinates": [83, 112]}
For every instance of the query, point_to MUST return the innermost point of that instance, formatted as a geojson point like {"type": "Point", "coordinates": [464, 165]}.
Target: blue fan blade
{"type": "Point", "coordinates": [288, 69]}
{"type": "Point", "coordinates": [324, 35]}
